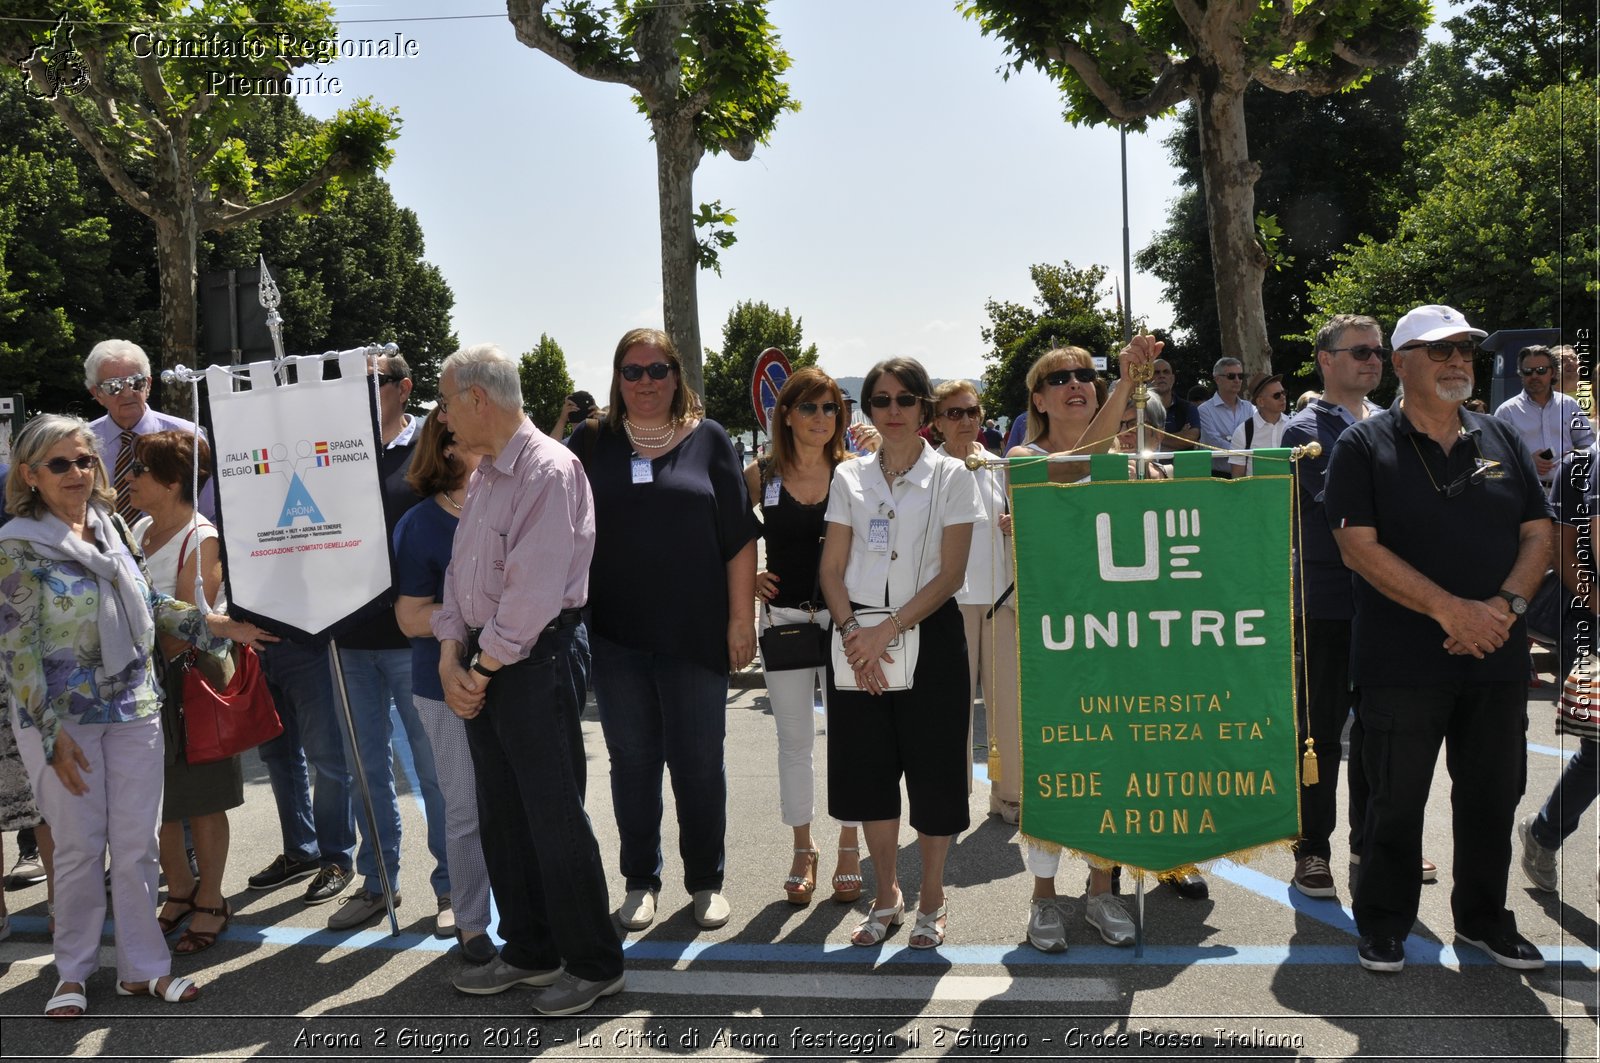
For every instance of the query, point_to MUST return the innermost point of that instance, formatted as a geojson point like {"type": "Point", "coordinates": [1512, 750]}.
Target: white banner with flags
{"type": "Point", "coordinates": [301, 510]}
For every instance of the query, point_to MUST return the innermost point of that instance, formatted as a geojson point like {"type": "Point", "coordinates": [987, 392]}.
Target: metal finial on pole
{"type": "Point", "coordinates": [268, 295]}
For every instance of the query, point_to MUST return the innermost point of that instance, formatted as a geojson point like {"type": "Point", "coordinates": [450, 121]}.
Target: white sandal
{"type": "Point", "coordinates": [67, 1000]}
{"type": "Point", "coordinates": [176, 988]}
{"type": "Point", "coordinates": [927, 926]}
{"type": "Point", "coordinates": [847, 888]}
{"type": "Point", "coordinates": [876, 926]}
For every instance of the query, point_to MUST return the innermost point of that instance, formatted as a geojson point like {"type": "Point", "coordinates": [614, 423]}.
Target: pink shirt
{"type": "Point", "coordinates": [522, 549]}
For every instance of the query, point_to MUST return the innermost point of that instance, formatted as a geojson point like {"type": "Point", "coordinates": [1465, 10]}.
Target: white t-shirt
{"type": "Point", "coordinates": [1265, 436]}
{"type": "Point", "coordinates": [989, 557]}
{"type": "Point", "coordinates": [935, 493]}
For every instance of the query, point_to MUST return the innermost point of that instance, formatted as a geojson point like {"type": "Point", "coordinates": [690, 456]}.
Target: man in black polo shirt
{"type": "Point", "coordinates": [1440, 514]}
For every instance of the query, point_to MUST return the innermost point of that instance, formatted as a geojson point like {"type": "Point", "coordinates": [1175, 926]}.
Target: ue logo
{"type": "Point", "coordinates": [1181, 525]}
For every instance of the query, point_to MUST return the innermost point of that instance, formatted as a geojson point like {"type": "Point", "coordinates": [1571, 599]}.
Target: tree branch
{"type": "Point", "coordinates": [227, 214]}
{"type": "Point", "coordinates": [155, 86]}
{"type": "Point", "coordinates": [1170, 89]}
{"type": "Point", "coordinates": [528, 19]}
{"type": "Point", "coordinates": [1401, 51]}
{"type": "Point", "coordinates": [1313, 81]}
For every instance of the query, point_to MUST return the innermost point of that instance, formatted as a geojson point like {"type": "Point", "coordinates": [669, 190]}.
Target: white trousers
{"type": "Point", "coordinates": [792, 694]}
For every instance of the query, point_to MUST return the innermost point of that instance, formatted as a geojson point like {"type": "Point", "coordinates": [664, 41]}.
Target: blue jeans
{"type": "Point", "coordinates": [661, 711]}
{"type": "Point", "coordinates": [538, 844]}
{"type": "Point", "coordinates": [1576, 790]}
{"type": "Point", "coordinates": [374, 678]}
{"type": "Point", "coordinates": [324, 828]}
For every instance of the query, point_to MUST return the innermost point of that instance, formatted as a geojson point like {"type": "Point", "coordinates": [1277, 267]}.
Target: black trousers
{"type": "Point", "coordinates": [1325, 692]}
{"type": "Point", "coordinates": [1483, 727]}
{"type": "Point", "coordinates": [544, 864]}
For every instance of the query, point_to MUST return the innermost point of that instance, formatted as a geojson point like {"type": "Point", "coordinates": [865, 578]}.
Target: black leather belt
{"type": "Point", "coordinates": [564, 619]}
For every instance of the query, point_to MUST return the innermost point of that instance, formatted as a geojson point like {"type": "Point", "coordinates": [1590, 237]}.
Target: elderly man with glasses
{"type": "Point", "coordinates": [1439, 513]}
{"type": "Point", "coordinates": [1223, 413]}
{"type": "Point", "coordinates": [1551, 423]}
{"type": "Point", "coordinates": [117, 374]}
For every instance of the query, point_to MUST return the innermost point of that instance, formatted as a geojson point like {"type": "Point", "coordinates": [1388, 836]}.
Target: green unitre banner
{"type": "Point", "coordinates": [1156, 660]}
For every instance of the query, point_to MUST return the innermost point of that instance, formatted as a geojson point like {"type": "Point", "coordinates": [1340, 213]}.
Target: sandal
{"type": "Point", "coordinates": [1007, 811]}
{"type": "Point", "coordinates": [173, 994]}
{"type": "Point", "coordinates": [876, 925]}
{"type": "Point", "coordinates": [847, 887]}
{"type": "Point", "coordinates": [200, 940]}
{"type": "Point", "coordinates": [170, 923]}
{"type": "Point", "coordinates": [74, 999]}
{"type": "Point", "coordinates": [801, 888]}
{"type": "Point", "coordinates": [928, 926]}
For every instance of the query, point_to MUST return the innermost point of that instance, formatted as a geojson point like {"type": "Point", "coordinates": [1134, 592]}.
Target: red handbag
{"type": "Point", "coordinates": [218, 724]}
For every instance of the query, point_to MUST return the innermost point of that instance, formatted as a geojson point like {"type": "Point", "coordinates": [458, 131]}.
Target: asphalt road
{"type": "Point", "coordinates": [1256, 971]}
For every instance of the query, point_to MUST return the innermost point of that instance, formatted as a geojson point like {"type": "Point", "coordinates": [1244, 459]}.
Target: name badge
{"type": "Point", "coordinates": [878, 535]}
{"type": "Point", "coordinates": [770, 498]}
{"type": "Point", "coordinates": [643, 473]}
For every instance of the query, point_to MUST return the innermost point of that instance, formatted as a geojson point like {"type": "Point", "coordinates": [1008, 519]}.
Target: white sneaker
{"type": "Point", "coordinates": [711, 909]}
{"type": "Point", "coordinates": [638, 909]}
{"type": "Point", "coordinates": [1106, 914]}
{"type": "Point", "coordinates": [1047, 932]}
{"type": "Point", "coordinates": [1538, 863]}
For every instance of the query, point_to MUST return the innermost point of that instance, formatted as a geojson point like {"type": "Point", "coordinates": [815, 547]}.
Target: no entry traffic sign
{"type": "Point", "coordinates": [772, 369]}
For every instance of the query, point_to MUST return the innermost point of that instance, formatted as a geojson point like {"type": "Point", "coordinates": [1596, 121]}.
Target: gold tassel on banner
{"type": "Point", "coordinates": [1308, 764]}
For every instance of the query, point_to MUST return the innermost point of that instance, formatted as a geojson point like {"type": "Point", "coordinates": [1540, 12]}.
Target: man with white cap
{"type": "Point", "coordinates": [1439, 513]}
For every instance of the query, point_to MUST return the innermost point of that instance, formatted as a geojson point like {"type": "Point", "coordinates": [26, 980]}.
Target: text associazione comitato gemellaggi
{"type": "Point", "coordinates": [256, 48]}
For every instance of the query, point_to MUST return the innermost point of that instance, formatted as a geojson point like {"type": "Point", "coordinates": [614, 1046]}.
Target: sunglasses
{"type": "Point", "coordinates": [1230, 376]}
{"type": "Point", "coordinates": [1441, 350]}
{"type": "Point", "coordinates": [136, 469]}
{"type": "Point", "coordinates": [388, 378]}
{"type": "Point", "coordinates": [1061, 376]}
{"type": "Point", "coordinates": [1537, 370]}
{"type": "Point", "coordinates": [809, 409]}
{"type": "Point", "coordinates": [1276, 395]}
{"type": "Point", "coordinates": [118, 384]}
{"type": "Point", "coordinates": [905, 400]}
{"type": "Point", "coordinates": [1362, 352]}
{"type": "Point", "coordinates": [1129, 425]}
{"type": "Point", "coordinates": [59, 466]}
{"type": "Point", "coordinates": [1472, 476]}
{"type": "Point", "coordinates": [657, 371]}
{"type": "Point", "coordinates": [956, 413]}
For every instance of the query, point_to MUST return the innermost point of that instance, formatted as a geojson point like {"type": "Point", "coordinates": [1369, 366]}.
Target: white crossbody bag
{"type": "Point", "coordinates": [903, 648]}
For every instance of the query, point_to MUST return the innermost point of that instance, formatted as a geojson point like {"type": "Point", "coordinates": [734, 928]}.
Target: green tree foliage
{"type": "Point", "coordinates": [545, 383]}
{"type": "Point", "coordinates": [1327, 163]}
{"type": "Point", "coordinates": [1067, 311]}
{"type": "Point", "coordinates": [1507, 235]}
{"type": "Point", "coordinates": [707, 76]}
{"type": "Point", "coordinates": [750, 329]}
{"type": "Point", "coordinates": [1126, 62]}
{"type": "Point", "coordinates": [165, 135]}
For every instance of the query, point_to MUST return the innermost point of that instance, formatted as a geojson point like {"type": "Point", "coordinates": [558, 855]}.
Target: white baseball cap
{"type": "Point", "coordinates": [1431, 322]}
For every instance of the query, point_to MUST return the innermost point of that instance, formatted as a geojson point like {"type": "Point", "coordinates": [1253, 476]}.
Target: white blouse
{"type": "Point", "coordinates": [989, 558]}
{"type": "Point", "coordinates": [935, 493]}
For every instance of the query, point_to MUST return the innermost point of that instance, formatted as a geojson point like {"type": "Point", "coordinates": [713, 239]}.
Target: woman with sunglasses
{"type": "Point", "coordinates": [177, 543]}
{"type": "Point", "coordinates": [1155, 422]}
{"type": "Point", "coordinates": [1070, 412]}
{"type": "Point", "coordinates": [77, 642]}
{"type": "Point", "coordinates": [987, 615]}
{"type": "Point", "coordinates": [791, 487]}
{"type": "Point", "coordinates": [672, 590]}
{"type": "Point", "coordinates": [422, 541]}
{"type": "Point", "coordinates": [899, 528]}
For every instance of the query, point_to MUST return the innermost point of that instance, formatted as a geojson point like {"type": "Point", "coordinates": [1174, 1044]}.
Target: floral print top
{"type": "Point", "coordinates": [50, 645]}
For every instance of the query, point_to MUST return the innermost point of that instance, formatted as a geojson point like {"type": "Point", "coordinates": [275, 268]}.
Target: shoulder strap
{"type": "Point", "coordinates": [183, 549]}
{"type": "Point", "coordinates": [1249, 432]}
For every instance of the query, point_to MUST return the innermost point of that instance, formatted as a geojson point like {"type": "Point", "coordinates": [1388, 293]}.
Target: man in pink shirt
{"type": "Point", "coordinates": [513, 600]}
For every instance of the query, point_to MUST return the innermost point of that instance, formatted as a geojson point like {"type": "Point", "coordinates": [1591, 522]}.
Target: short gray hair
{"type": "Point", "coordinates": [37, 438]}
{"type": "Point", "coordinates": [112, 350]}
{"type": "Point", "coordinates": [486, 366]}
{"type": "Point", "coordinates": [1223, 363]}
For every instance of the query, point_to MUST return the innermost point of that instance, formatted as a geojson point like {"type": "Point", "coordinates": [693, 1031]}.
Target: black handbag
{"type": "Point", "coordinates": [787, 647]}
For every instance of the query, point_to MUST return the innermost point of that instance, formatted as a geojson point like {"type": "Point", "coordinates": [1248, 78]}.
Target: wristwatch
{"type": "Point", "coordinates": [477, 666]}
{"type": "Point", "coordinates": [1519, 604]}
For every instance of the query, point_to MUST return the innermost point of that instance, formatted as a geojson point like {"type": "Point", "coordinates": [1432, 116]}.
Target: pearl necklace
{"type": "Point", "coordinates": [892, 476]}
{"type": "Point", "coordinates": [652, 438]}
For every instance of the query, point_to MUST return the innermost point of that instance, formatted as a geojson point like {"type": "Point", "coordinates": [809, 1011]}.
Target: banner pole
{"type": "Point", "coordinates": [1138, 926]}
{"type": "Point", "coordinates": [361, 779]}
{"type": "Point", "coordinates": [978, 461]}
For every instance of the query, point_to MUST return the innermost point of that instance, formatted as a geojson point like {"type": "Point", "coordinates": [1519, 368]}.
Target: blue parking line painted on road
{"type": "Point", "coordinates": [1552, 751]}
{"type": "Point", "coordinates": [1322, 910]}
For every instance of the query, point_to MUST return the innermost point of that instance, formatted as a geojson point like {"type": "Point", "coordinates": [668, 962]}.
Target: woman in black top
{"type": "Point", "coordinates": [791, 486]}
{"type": "Point", "coordinates": [672, 591]}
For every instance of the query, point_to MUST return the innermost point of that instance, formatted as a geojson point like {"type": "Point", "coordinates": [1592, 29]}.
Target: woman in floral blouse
{"type": "Point", "coordinates": [77, 627]}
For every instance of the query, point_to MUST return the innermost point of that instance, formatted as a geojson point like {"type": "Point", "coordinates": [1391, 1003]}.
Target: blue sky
{"type": "Point", "coordinates": [914, 185]}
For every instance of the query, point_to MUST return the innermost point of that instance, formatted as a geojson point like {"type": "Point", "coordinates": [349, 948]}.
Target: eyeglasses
{"type": "Point", "coordinates": [59, 466]}
{"type": "Point", "coordinates": [113, 386]}
{"type": "Point", "coordinates": [657, 370]}
{"type": "Point", "coordinates": [1441, 350]}
{"type": "Point", "coordinates": [1061, 376]}
{"type": "Point", "coordinates": [1536, 370]}
{"type": "Point", "coordinates": [809, 409]}
{"type": "Point", "coordinates": [956, 413]}
{"type": "Point", "coordinates": [1129, 425]}
{"type": "Point", "coordinates": [1230, 376]}
{"type": "Point", "coordinates": [446, 400]}
{"type": "Point", "coordinates": [1361, 352]}
{"type": "Point", "coordinates": [905, 400]}
{"type": "Point", "coordinates": [136, 469]}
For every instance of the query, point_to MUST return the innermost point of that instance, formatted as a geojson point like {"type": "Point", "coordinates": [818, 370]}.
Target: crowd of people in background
{"type": "Point", "coordinates": [618, 555]}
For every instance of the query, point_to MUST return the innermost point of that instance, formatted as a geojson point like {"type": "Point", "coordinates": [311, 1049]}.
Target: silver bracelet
{"type": "Point", "coordinates": [850, 624]}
